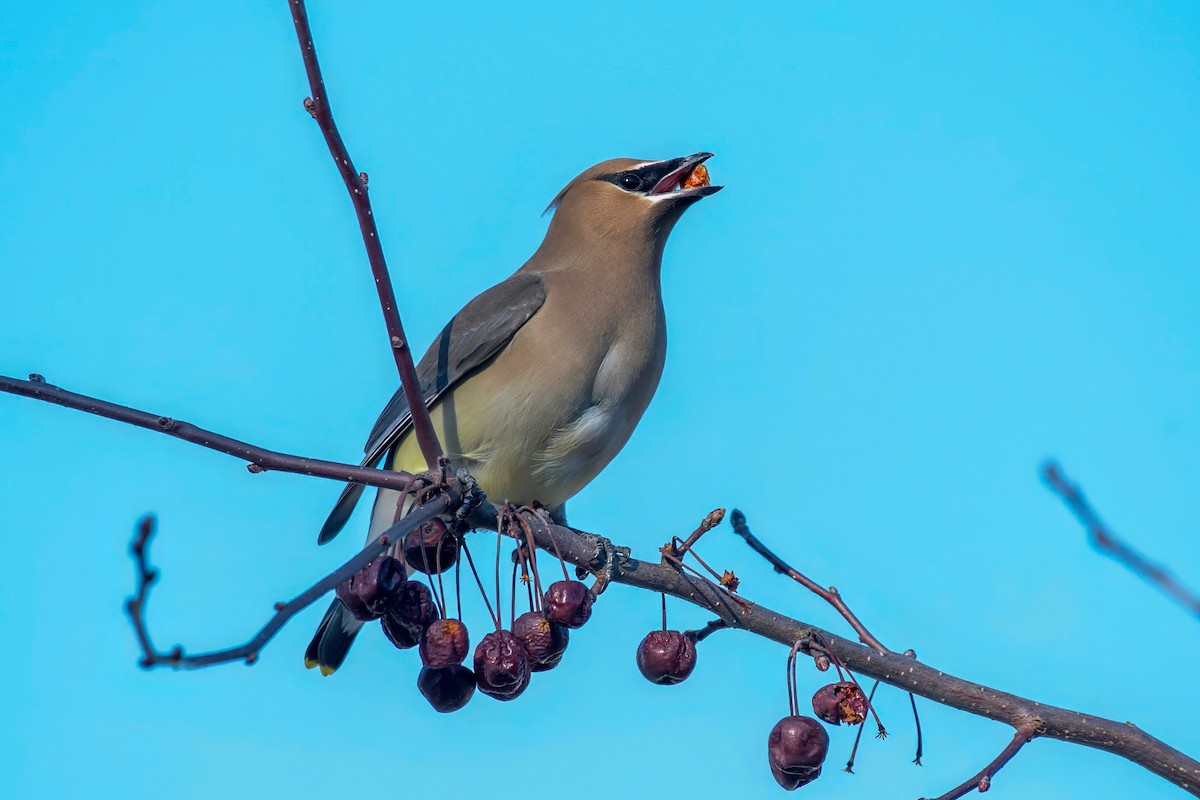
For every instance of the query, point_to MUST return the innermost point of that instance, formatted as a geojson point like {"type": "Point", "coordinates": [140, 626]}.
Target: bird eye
{"type": "Point", "coordinates": [631, 182]}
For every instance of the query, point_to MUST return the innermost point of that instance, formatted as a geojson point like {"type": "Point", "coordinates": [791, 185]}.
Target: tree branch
{"type": "Point", "coordinates": [1107, 542]}
{"type": "Point", "coordinates": [598, 555]}
{"type": "Point", "coordinates": [260, 458]}
{"type": "Point", "coordinates": [356, 184]}
{"type": "Point", "coordinates": [1121, 738]}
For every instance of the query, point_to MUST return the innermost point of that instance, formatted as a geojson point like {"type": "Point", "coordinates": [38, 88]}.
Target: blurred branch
{"type": "Point", "coordinates": [356, 184]}
{"type": "Point", "coordinates": [1107, 542]}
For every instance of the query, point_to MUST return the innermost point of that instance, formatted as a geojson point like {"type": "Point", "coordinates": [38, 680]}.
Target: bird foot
{"type": "Point", "coordinates": [606, 564]}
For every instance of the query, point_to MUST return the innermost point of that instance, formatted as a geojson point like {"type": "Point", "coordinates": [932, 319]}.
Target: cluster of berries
{"type": "Point", "coordinates": [503, 660]}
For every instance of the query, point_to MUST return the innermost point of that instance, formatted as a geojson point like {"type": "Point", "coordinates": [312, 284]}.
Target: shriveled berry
{"type": "Point", "coordinates": [367, 592]}
{"type": "Point", "coordinates": [666, 657]}
{"type": "Point", "coordinates": [501, 666]}
{"type": "Point", "coordinates": [544, 641]}
{"type": "Point", "coordinates": [431, 548]}
{"type": "Point", "coordinates": [444, 644]}
{"type": "Point", "coordinates": [447, 689]}
{"type": "Point", "coordinates": [568, 603]}
{"type": "Point", "coordinates": [796, 749]}
{"type": "Point", "coordinates": [840, 702]}
{"type": "Point", "coordinates": [408, 614]}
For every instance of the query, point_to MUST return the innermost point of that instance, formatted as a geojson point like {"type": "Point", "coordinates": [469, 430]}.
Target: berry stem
{"type": "Point", "coordinates": [499, 536]}
{"type": "Point", "coordinates": [858, 736]}
{"type": "Point", "coordinates": [479, 583]}
{"type": "Point", "coordinates": [916, 720]}
{"type": "Point", "coordinates": [458, 583]}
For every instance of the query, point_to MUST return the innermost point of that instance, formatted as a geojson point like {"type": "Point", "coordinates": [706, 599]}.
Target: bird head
{"type": "Point", "coordinates": [625, 198]}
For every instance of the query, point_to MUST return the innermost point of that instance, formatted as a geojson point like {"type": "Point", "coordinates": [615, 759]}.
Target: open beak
{"type": "Point", "coordinates": [686, 177]}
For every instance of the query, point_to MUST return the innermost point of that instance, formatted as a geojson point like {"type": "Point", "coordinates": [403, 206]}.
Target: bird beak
{"type": "Point", "coordinates": [685, 177]}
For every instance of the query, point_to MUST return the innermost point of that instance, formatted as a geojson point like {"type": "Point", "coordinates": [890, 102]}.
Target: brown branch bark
{"type": "Point", "coordinates": [596, 554]}
{"type": "Point", "coordinates": [1107, 542]}
{"type": "Point", "coordinates": [1121, 738]}
{"type": "Point", "coordinates": [260, 459]}
{"type": "Point", "coordinates": [356, 184]}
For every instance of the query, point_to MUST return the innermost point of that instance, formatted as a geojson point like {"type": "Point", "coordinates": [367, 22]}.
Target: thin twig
{"type": "Point", "coordinates": [135, 607]}
{"type": "Point", "coordinates": [1107, 542]}
{"type": "Point", "coordinates": [983, 779]}
{"type": "Point", "coordinates": [700, 634]}
{"type": "Point", "coordinates": [830, 595]}
{"type": "Point", "coordinates": [356, 184]}
{"type": "Point", "coordinates": [712, 520]}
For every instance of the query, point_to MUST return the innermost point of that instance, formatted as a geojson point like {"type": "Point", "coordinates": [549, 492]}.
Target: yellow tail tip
{"type": "Point", "coordinates": [327, 671]}
{"type": "Point", "coordinates": [309, 663]}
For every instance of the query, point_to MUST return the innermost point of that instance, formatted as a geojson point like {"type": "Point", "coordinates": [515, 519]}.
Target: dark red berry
{"type": "Point", "coordinates": [444, 644]}
{"type": "Point", "coordinates": [840, 702]}
{"type": "Point", "coordinates": [409, 613]}
{"type": "Point", "coordinates": [501, 666]}
{"type": "Point", "coordinates": [367, 592]}
{"type": "Point", "coordinates": [446, 689]}
{"type": "Point", "coordinates": [666, 657]}
{"type": "Point", "coordinates": [796, 749]}
{"type": "Point", "coordinates": [431, 548]}
{"type": "Point", "coordinates": [544, 641]}
{"type": "Point", "coordinates": [568, 603]}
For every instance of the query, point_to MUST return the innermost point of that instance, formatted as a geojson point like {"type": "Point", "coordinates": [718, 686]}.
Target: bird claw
{"type": "Point", "coordinates": [606, 564]}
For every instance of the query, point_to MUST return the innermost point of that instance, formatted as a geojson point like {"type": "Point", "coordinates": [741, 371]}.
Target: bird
{"type": "Point", "coordinates": [538, 382]}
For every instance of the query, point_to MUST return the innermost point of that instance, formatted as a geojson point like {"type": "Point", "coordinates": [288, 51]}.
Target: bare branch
{"type": "Point", "coordinates": [830, 595]}
{"type": "Point", "coordinates": [135, 607]}
{"type": "Point", "coordinates": [983, 779]}
{"type": "Point", "coordinates": [356, 184]}
{"type": "Point", "coordinates": [1107, 542]}
{"type": "Point", "coordinates": [598, 555]}
{"type": "Point", "coordinates": [260, 459]}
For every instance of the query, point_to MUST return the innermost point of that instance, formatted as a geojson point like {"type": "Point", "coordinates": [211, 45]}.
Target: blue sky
{"type": "Point", "coordinates": [955, 240]}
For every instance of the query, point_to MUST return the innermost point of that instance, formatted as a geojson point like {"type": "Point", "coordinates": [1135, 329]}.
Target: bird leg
{"type": "Point", "coordinates": [606, 564]}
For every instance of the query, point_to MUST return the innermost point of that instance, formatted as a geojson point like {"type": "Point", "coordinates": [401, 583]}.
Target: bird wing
{"type": "Point", "coordinates": [472, 339]}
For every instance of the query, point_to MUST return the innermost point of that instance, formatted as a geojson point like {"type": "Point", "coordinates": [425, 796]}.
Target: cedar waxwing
{"type": "Point", "coordinates": [537, 383]}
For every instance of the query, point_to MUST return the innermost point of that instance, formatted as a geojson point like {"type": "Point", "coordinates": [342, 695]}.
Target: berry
{"type": "Point", "coordinates": [444, 644]}
{"type": "Point", "coordinates": [796, 749]}
{"type": "Point", "coordinates": [840, 702]}
{"type": "Point", "coordinates": [367, 592]}
{"type": "Point", "coordinates": [568, 603]}
{"type": "Point", "coordinates": [409, 613]}
{"type": "Point", "coordinates": [544, 641]}
{"type": "Point", "coordinates": [447, 689]}
{"type": "Point", "coordinates": [666, 657]}
{"type": "Point", "coordinates": [431, 548]}
{"type": "Point", "coordinates": [501, 666]}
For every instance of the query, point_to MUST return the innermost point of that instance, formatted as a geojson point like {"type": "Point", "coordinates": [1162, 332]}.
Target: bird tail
{"type": "Point", "coordinates": [333, 638]}
{"type": "Point", "coordinates": [331, 643]}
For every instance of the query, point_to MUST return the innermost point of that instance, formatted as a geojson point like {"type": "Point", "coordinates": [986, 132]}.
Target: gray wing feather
{"type": "Point", "coordinates": [476, 335]}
